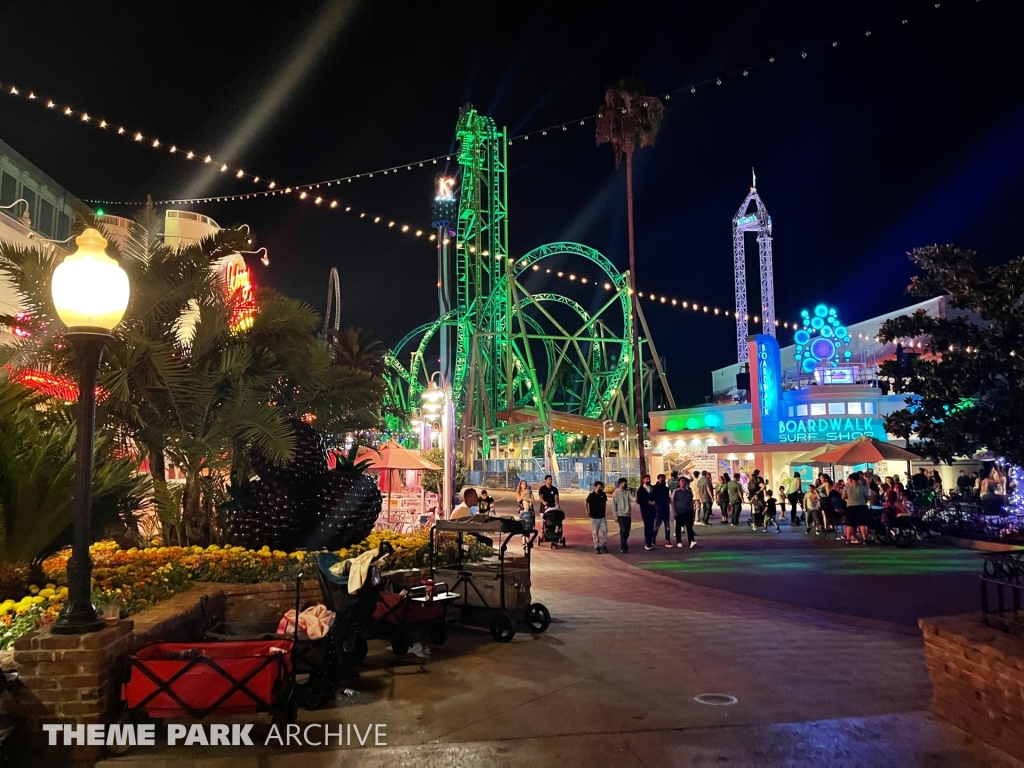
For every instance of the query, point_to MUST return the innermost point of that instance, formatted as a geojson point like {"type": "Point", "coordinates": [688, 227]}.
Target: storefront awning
{"type": "Point", "coordinates": [764, 448]}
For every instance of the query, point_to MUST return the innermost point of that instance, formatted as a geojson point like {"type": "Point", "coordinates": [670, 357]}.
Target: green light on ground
{"type": "Point", "coordinates": [839, 562]}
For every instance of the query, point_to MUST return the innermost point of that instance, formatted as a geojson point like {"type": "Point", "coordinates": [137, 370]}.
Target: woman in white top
{"type": "Point", "coordinates": [524, 495]}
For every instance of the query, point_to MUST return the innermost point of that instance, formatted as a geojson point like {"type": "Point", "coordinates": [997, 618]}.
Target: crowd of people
{"type": "Point", "coordinates": [672, 506]}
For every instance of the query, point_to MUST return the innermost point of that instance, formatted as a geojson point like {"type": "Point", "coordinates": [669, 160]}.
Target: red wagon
{"type": "Point", "coordinates": [174, 679]}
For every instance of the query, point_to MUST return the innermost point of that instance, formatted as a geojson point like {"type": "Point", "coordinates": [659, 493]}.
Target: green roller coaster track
{"type": "Point", "coordinates": [514, 348]}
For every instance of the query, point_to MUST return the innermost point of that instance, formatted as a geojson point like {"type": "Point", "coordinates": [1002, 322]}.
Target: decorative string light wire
{"type": "Point", "coordinates": [83, 117]}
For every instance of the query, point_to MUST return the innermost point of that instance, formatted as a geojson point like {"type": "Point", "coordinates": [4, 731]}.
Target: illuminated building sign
{"type": "Point", "coordinates": [830, 430]}
{"type": "Point", "coordinates": [819, 343]}
{"type": "Point", "coordinates": [241, 293]}
{"type": "Point", "coordinates": [745, 221]}
{"type": "Point", "coordinates": [445, 188]}
{"type": "Point", "coordinates": [766, 397]}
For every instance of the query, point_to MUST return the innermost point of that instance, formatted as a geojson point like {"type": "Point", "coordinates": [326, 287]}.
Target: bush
{"type": "Point", "coordinates": [139, 578]}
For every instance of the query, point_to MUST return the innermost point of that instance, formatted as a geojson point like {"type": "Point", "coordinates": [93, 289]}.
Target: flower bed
{"type": "Point", "coordinates": [138, 578]}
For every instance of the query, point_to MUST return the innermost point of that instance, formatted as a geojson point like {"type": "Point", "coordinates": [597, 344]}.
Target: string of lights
{"type": "Point", "coordinates": [295, 194]}
{"type": "Point", "coordinates": [83, 117]}
{"type": "Point", "coordinates": [688, 305]}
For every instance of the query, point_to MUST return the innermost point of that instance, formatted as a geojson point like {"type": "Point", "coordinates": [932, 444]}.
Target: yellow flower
{"type": "Point", "coordinates": [49, 592]}
{"type": "Point", "coordinates": [38, 599]}
{"type": "Point", "coordinates": [34, 589]}
{"type": "Point", "coordinates": [197, 550]}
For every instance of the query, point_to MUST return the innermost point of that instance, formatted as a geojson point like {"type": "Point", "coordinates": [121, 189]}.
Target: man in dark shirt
{"type": "Point", "coordinates": [660, 497]}
{"type": "Point", "coordinates": [964, 485]}
{"type": "Point", "coordinates": [920, 481]}
{"type": "Point", "coordinates": [548, 493]}
{"type": "Point", "coordinates": [596, 503]}
{"type": "Point", "coordinates": [643, 500]}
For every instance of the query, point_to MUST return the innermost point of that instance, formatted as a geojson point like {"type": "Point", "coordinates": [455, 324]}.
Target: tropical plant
{"type": "Point", "coordinates": [357, 348]}
{"type": "Point", "coordinates": [968, 386]}
{"type": "Point", "coordinates": [37, 466]}
{"type": "Point", "coordinates": [180, 379]}
{"type": "Point", "coordinates": [431, 479]}
{"type": "Point", "coordinates": [629, 120]}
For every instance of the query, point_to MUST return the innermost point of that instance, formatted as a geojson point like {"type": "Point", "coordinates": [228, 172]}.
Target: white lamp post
{"type": "Point", "coordinates": [437, 405]}
{"type": "Point", "coordinates": [90, 293]}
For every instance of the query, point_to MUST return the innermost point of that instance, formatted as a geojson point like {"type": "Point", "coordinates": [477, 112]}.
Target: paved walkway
{"type": "Point", "coordinates": [613, 681]}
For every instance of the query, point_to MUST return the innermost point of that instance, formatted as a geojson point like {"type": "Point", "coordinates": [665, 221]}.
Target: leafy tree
{"type": "Point", "coordinates": [629, 120]}
{"type": "Point", "coordinates": [432, 478]}
{"type": "Point", "coordinates": [969, 384]}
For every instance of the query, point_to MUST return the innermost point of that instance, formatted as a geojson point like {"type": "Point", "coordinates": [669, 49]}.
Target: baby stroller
{"type": "Point", "coordinates": [553, 518]}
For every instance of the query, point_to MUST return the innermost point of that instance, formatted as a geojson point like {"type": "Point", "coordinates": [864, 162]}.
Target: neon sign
{"type": "Point", "coordinates": [820, 341]}
{"type": "Point", "coordinates": [241, 294]}
{"type": "Point", "coordinates": [832, 430]}
{"type": "Point", "coordinates": [445, 188]}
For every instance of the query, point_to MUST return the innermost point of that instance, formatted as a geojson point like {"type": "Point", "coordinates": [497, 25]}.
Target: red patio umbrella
{"type": "Point", "coordinates": [865, 450]}
{"type": "Point", "coordinates": [391, 457]}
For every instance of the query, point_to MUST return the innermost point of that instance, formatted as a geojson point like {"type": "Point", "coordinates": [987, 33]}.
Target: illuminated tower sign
{"type": "Point", "coordinates": [821, 344]}
{"type": "Point", "coordinates": [760, 222]}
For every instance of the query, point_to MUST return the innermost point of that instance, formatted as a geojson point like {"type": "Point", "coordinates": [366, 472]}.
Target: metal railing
{"type": "Point", "coordinates": [1003, 572]}
{"type": "Point", "coordinates": [574, 473]}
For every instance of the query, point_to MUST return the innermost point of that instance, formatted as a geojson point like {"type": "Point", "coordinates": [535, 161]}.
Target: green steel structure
{"type": "Point", "coordinates": [518, 351]}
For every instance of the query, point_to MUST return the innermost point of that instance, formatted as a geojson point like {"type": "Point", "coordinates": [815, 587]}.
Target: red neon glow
{"type": "Point", "coordinates": [241, 295]}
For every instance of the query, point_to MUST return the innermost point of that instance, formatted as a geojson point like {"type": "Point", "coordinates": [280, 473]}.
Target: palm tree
{"type": "Point", "coordinates": [629, 120]}
{"type": "Point", "coordinates": [145, 356]}
{"type": "Point", "coordinates": [208, 398]}
{"type": "Point", "coordinates": [357, 348]}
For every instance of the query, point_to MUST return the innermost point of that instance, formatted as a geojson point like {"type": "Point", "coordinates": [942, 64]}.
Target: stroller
{"type": "Point", "coordinates": [553, 518]}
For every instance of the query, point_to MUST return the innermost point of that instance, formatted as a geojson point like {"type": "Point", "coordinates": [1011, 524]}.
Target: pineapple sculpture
{"type": "Point", "coordinates": [303, 504]}
{"type": "Point", "coordinates": [348, 504]}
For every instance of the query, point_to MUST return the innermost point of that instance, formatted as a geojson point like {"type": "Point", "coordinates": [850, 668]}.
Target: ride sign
{"type": "Point", "coordinates": [830, 430]}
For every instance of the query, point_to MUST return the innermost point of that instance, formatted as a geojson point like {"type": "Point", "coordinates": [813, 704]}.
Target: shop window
{"type": "Point", "coordinates": [801, 410]}
{"type": "Point", "coordinates": [869, 407]}
{"type": "Point", "coordinates": [817, 409]}
{"type": "Point", "coordinates": [9, 193]}
{"type": "Point", "coordinates": [837, 407]}
{"type": "Point", "coordinates": [854, 408]}
{"type": "Point", "coordinates": [45, 225]}
{"type": "Point", "coordinates": [790, 412]}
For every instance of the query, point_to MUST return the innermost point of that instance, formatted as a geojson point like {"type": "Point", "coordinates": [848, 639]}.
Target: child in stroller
{"type": "Point", "coordinates": [553, 518]}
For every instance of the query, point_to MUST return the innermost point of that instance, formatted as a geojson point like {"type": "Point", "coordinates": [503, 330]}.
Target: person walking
{"type": "Point", "coordinates": [755, 493]}
{"type": "Point", "coordinates": [770, 511]}
{"type": "Point", "coordinates": [855, 494]}
{"type": "Point", "coordinates": [682, 505]}
{"type": "Point", "coordinates": [662, 508]}
{"type": "Point", "coordinates": [812, 511]}
{"type": "Point", "coordinates": [524, 495]}
{"type": "Point", "coordinates": [549, 493]}
{"type": "Point", "coordinates": [705, 497]}
{"type": "Point", "coordinates": [596, 506]}
{"type": "Point", "coordinates": [722, 495]}
{"type": "Point", "coordinates": [794, 493]}
{"type": "Point", "coordinates": [622, 506]}
{"type": "Point", "coordinates": [647, 513]}
{"type": "Point", "coordinates": [735, 493]}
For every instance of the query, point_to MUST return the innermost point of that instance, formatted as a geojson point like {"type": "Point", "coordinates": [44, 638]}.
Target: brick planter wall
{"type": "Point", "coordinates": [77, 678]}
{"type": "Point", "coordinates": [258, 603]}
{"type": "Point", "coordinates": [977, 675]}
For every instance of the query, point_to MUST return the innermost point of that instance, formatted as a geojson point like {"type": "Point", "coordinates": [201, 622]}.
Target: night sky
{"type": "Point", "coordinates": [864, 150]}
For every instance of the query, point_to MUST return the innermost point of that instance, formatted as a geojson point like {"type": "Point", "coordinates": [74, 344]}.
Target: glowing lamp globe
{"type": "Point", "coordinates": [90, 290]}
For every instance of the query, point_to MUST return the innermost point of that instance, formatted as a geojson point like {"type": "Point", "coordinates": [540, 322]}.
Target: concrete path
{"type": "Point", "coordinates": [614, 680]}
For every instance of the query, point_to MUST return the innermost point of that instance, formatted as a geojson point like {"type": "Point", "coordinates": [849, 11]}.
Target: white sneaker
{"type": "Point", "coordinates": [680, 544]}
{"type": "Point", "coordinates": [693, 544]}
